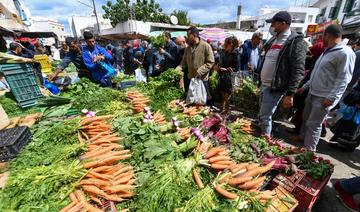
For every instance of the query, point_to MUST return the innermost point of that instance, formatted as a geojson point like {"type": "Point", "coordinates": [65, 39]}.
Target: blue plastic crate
{"type": "Point", "coordinates": [22, 83]}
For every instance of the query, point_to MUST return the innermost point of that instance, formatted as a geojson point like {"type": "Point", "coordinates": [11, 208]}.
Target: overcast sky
{"type": "Point", "coordinates": [200, 11]}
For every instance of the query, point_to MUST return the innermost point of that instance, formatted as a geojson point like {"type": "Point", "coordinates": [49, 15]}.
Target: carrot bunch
{"type": "Point", "coordinates": [106, 180]}
{"type": "Point", "coordinates": [245, 126]}
{"type": "Point", "coordinates": [93, 126]}
{"type": "Point", "coordinates": [138, 100]}
{"type": "Point", "coordinates": [184, 133]}
{"type": "Point", "coordinates": [159, 118]}
{"type": "Point", "coordinates": [218, 158]}
{"type": "Point", "coordinates": [191, 111]}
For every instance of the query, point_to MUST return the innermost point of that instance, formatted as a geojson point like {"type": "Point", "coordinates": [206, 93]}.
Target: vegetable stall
{"type": "Point", "coordinates": [144, 149]}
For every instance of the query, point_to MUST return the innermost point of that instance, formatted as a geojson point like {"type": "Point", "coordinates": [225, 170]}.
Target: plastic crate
{"type": "Point", "coordinates": [43, 59]}
{"type": "Point", "coordinates": [308, 191]}
{"type": "Point", "coordinates": [283, 201]}
{"type": "Point", "coordinates": [22, 83]}
{"type": "Point", "coordinates": [12, 141]}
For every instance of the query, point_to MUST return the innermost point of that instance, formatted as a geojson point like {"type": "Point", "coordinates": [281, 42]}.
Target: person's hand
{"type": "Point", "coordinates": [101, 57]}
{"type": "Point", "coordinates": [288, 102]}
{"type": "Point", "coordinates": [300, 90]}
{"type": "Point", "coordinates": [53, 75]}
{"type": "Point", "coordinates": [162, 51]}
{"type": "Point", "coordinates": [327, 103]}
{"type": "Point", "coordinates": [157, 66]}
{"type": "Point", "coordinates": [229, 69]}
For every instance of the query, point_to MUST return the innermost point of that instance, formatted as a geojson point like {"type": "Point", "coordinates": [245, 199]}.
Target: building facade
{"type": "Point", "coordinates": [302, 17]}
{"type": "Point", "coordinates": [345, 12]}
{"type": "Point", "coordinates": [80, 23]}
{"type": "Point", "coordinates": [42, 24]}
{"type": "Point", "coordinates": [14, 15]}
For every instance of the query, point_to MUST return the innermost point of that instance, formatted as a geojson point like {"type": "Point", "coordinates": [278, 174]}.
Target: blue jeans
{"type": "Point", "coordinates": [351, 186]}
{"type": "Point", "coordinates": [269, 100]}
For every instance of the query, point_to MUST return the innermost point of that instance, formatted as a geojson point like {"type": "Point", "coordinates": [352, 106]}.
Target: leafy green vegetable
{"type": "Point", "coordinates": [158, 41]}
{"type": "Point", "coordinates": [246, 98]}
{"type": "Point", "coordinates": [317, 169]}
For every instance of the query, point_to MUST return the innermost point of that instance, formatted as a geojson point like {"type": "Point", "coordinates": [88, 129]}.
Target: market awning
{"type": "Point", "coordinates": [123, 36]}
{"type": "Point", "coordinates": [173, 34]}
{"type": "Point", "coordinates": [213, 34]}
{"type": "Point", "coordinates": [36, 34]}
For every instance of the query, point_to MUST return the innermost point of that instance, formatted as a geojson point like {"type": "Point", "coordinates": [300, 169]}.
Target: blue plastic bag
{"type": "Point", "coordinates": [111, 72]}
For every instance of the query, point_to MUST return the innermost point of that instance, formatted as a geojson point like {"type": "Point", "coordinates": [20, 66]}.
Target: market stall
{"type": "Point", "coordinates": [144, 149]}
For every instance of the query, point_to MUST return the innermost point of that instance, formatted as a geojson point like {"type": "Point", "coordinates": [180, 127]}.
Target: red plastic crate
{"type": "Point", "coordinates": [308, 191]}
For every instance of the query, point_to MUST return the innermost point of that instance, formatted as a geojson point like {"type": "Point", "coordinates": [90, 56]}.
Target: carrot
{"type": "Point", "coordinates": [239, 180]}
{"type": "Point", "coordinates": [225, 193]}
{"type": "Point", "coordinates": [90, 208]}
{"type": "Point", "coordinates": [92, 181]}
{"type": "Point", "coordinates": [96, 200]}
{"type": "Point", "coordinates": [68, 207]}
{"type": "Point", "coordinates": [204, 147]}
{"type": "Point", "coordinates": [123, 170]}
{"type": "Point", "coordinates": [118, 188]}
{"type": "Point", "coordinates": [239, 167]}
{"type": "Point", "coordinates": [252, 166]}
{"type": "Point", "coordinates": [114, 169]}
{"type": "Point", "coordinates": [126, 195]}
{"type": "Point", "coordinates": [213, 152]}
{"type": "Point", "coordinates": [114, 198]}
{"type": "Point", "coordinates": [105, 161]}
{"type": "Point", "coordinates": [259, 170]}
{"type": "Point", "coordinates": [239, 173]}
{"type": "Point", "coordinates": [107, 140]}
{"type": "Point", "coordinates": [225, 162]}
{"type": "Point", "coordinates": [251, 184]}
{"type": "Point", "coordinates": [73, 198]}
{"type": "Point", "coordinates": [107, 155]}
{"type": "Point", "coordinates": [102, 168]}
{"type": "Point", "coordinates": [124, 179]}
{"type": "Point", "coordinates": [219, 166]}
{"type": "Point", "coordinates": [99, 176]}
{"type": "Point", "coordinates": [97, 153]}
{"type": "Point", "coordinates": [131, 182]}
{"type": "Point", "coordinates": [79, 195]}
{"type": "Point", "coordinates": [93, 190]}
{"type": "Point", "coordinates": [219, 158]}
{"type": "Point", "coordinates": [224, 178]}
{"type": "Point", "coordinates": [76, 208]}
{"type": "Point", "coordinates": [263, 197]}
{"type": "Point", "coordinates": [123, 175]}
{"type": "Point", "coordinates": [197, 179]}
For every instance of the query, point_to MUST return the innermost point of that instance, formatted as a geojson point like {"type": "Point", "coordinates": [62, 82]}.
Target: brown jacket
{"type": "Point", "coordinates": [199, 63]}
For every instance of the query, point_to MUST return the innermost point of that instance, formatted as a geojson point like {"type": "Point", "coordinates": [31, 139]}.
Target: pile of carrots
{"type": "Point", "coordinates": [138, 100]}
{"type": "Point", "coordinates": [244, 176]}
{"type": "Point", "coordinates": [106, 179]}
{"type": "Point", "coordinates": [159, 118]}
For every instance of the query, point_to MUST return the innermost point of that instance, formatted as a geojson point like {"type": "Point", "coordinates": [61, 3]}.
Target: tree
{"type": "Point", "coordinates": [182, 17]}
{"type": "Point", "coordinates": [141, 10]}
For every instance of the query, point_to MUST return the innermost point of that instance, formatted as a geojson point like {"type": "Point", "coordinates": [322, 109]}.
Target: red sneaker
{"type": "Point", "coordinates": [346, 198]}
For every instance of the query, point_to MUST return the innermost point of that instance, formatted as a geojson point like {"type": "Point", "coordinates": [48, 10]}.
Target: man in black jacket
{"type": "Point", "coordinates": [282, 69]}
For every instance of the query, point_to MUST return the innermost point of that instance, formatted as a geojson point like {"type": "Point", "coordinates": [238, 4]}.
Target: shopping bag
{"type": "Point", "coordinates": [140, 75]}
{"type": "Point", "coordinates": [111, 72]}
{"type": "Point", "coordinates": [196, 93]}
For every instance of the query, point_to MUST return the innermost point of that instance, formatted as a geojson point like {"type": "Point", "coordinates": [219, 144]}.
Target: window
{"type": "Point", "coordinates": [323, 10]}
{"type": "Point", "coordinates": [332, 12]}
{"type": "Point", "coordinates": [348, 6]}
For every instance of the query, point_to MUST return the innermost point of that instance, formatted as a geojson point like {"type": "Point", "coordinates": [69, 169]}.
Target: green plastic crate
{"type": "Point", "coordinates": [22, 83]}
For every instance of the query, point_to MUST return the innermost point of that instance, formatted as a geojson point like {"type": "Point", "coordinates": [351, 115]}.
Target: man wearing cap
{"type": "Point", "coordinates": [282, 69]}
{"type": "Point", "coordinates": [74, 55]}
{"type": "Point", "coordinates": [330, 76]}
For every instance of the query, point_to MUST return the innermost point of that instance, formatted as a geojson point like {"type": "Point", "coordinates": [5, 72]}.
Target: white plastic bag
{"type": "Point", "coordinates": [140, 75]}
{"type": "Point", "coordinates": [196, 93]}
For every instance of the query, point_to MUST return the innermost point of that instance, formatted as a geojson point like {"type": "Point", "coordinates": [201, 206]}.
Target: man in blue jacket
{"type": "Point", "coordinates": [93, 55]}
{"type": "Point", "coordinates": [171, 52]}
{"type": "Point", "coordinates": [251, 53]}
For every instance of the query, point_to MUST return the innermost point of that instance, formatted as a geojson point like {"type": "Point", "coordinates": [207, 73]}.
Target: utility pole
{"type": "Point", "coordinates": [97, 21]}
